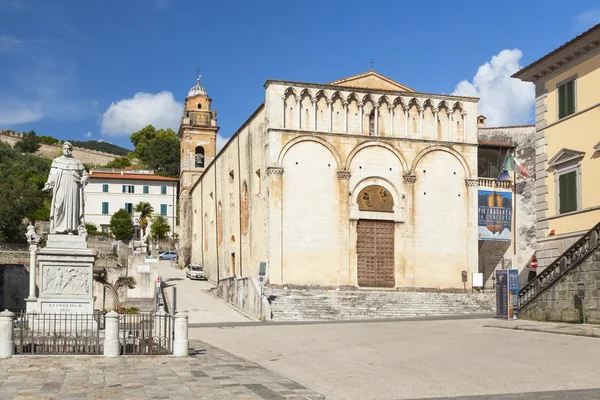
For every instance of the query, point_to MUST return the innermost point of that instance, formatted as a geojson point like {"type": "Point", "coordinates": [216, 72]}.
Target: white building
{"type": "Point", "coordinates": [111, 189]}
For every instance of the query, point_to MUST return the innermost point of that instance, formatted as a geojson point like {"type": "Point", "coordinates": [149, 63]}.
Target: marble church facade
{"type": "Point", "coordinates": [362, 182]}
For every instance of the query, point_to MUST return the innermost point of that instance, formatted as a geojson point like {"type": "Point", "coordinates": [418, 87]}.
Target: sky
{"type": "Point", "coordinates": [100, 70]}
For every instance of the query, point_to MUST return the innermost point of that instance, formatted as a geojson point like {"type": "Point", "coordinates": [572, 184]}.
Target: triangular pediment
{"type": "Point", "coordinates": [564, 155]}
{"type": "Point", "coordinates": [371, 80]}
{"type": "Point", "coordinates": [597, 147]}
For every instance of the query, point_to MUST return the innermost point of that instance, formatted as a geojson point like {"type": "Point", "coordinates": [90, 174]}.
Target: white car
{"type": "Point", "coordinates": [194, 271]}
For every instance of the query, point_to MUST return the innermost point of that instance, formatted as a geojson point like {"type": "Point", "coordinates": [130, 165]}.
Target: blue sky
{"type": "Point", "coordinates": [102, 69]}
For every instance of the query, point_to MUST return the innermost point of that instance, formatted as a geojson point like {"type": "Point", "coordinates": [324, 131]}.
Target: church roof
{"type": "Point", "coordinates": [197, 89]}
{"type": "Point", "coordinates": [371, 80]}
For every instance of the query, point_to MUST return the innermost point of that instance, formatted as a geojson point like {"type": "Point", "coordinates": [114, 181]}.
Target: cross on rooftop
{"type": "Point", "coordinates": [371, 62]}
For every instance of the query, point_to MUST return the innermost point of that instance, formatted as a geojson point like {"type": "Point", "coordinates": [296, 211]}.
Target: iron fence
{"type": "Point", "coordinates": [146, 333]}
{"type": "Point", "coordinates": [58, 333]}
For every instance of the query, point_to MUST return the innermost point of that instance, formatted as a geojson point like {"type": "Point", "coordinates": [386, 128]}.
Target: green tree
{"type": "Point", "coordinates": [47, 140]}
{"type": "Point", "coordinates": [158, 150]}
{"type": "Point", "coordinates": [29, 143]}
{"type": "Point", "coordinates": [160, 227]}
{"type": "Point", "coordinates": [101, 276]}
{"type": "Point", "coordinates": [119, 162]}
{"type": "Point", "coordinates": [146, 210]}
{"type": "Point", "coordinates": [91, 229]}
{"type": "Point", "coordinates": [121, 225]}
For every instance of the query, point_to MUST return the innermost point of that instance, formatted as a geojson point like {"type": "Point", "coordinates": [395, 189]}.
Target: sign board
{"type": "Point", "coordinates": [150, 259]}
{"type": "Point", "coordinates": [261, 280]}
{"type": "Point", "coordinates": [494, 215]}
{"type": "Point", "coordinates": [477, 279]}
{"type": "Point", "coordinates": [463, 275]}
{"type": "Point", "coordinates": [507, 293]}
{"type": "Point", "coordinates": [142, 269]}
{"type": "Point", "coordinates": [581, 290]}
{"type": "Point", "coordinates": [263, 268]}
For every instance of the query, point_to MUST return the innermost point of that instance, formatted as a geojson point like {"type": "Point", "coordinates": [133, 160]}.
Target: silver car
{"type": "Point", "coordinates": [194, 271]}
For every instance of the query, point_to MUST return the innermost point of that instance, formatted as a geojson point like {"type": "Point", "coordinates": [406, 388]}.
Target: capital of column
{"type": "Point", "coordinates": [464, 114]}
{"type": "Point", "coordinates": [313, 101]}
{"type": "Point", "coordinates": [360, 105]}
{"type": "Point", "coordinates": [345, 103]}
{"type": "Point", "coordinates": [329, 101]}
{"type": "Point", "coordinates": [376, 106]}
{"type": "Point", "coordinates": [343, 175]}
{"type": "Point", "coordinates": [436, 110]}
{"type": "Point", "coordinates": [472, 182]}
{"type": "Point", "coordinates": [391, 108]}
{"type": "Point", "coordinates": [409, 178]}
{"type": "Point", "coordinates": [274, 171]}
{"type": "Point", "coordinates": [421, 109]}
{"type": "Point", "coordinates": [406, 108]}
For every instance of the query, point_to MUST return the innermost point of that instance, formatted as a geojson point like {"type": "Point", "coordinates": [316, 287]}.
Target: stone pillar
{"type": "Point", "coordinates": [159, 323]}
{"type": "Point", "coordinates": [464, 115]}
{"type": "Point", "coordinates": [409, 247]}
{"type": "Point", "coordinates": [391, 108]}
{"type": "Point", "coordinates": [284, 110]}
{"type": "Point", "coordinates": [181, 347]}
{"type": "Point", "coordinates": [435, 121]}
{"type": "Point", "coordinates": [185, 228]}
{"type": "Point", "coordinates": [275, 267]}
{"type": "Point", "coordinates": [361, 112]}
{"type": "Point", "coordinates": [344, 225]}
{"type": "Point", "coordinates": [421, 117]}
{"type": "Point", "coordinates": [330, 109]}
{"type": "Point", "coordinates": [314, 101]}
{"type": "Point", "coordinates": [472, 228]}
{"type": "Point", "coordinates": [406, 121]}
{"type": "Point", "coordinates": [345, 104]}
{"type": "Point", "coordinates": [376, 133]}
{"type": "Point", "coordinates": [112, 346]}
{"type": "Point", "coordinates": [450, 137]}
{"type": "Point", "coordinates": [7, 344]}
{"type": "Point", "coordinates": [32, 272]}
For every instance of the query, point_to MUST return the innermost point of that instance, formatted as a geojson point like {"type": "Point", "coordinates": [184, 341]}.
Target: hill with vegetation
{"type": "Point", "coordinates": [104, 147]}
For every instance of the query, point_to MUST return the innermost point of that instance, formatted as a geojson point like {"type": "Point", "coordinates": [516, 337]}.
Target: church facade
{"type": "Point", "coordinates": [359, 182]}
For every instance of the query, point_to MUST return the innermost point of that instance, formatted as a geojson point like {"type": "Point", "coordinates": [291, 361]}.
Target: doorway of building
{"type": "Point", "coordinates": [375, 249]}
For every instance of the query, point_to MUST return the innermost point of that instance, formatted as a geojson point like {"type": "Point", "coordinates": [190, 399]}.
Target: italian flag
{"type": "Point", "coordinates": [511, 164]}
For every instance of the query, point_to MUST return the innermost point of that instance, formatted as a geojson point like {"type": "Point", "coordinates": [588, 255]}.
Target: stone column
{"type": "Point", "coordinates": [450, 138]}
{"type": "Point", "coordinates": [181, 346]}
{"type": "Point", "coordinates": [284, 109]}
{"type": "Point", "coordinates": [421, 117]}
{"type": "Point", "coordinates": [330, 108]}
{"type": "Point", "coordinates": [314, 101]}
{"type": "Point", "coordinates": [409, 249]}
{"type": "Point", "coordinates": [7, 344]}
{"type": "Point", "coordinates": [464, 115]}
{"type": "Point", "coordinates": [159, 323]}
{"type": "Point", "coordinates": [112, 346]}
{"type": "Point", "coordinates": [360, 112]}
{"type": "Point", "coordinates": [391, 108]}
{"type": "Point", "coordinates": [32, 270]}
{"type": "Point", "coordinates": [275, 266]}
{"type": "Point", "coordinates": [185, 228]}
{"type": "Point", "coordinates": [344, 225]}
{"type": "Point", "coordinates": [406, 108]}
{"type": "Point", "coordinates": [345, 104]}
{"type": "Point", "coordinates": [472, 228]}
{"type": "Point", "coordinates": [435, 121]}
{"type": "Point", "coordinates": [376, 133]}
{"type": "Point", "coordinates": [299, 108]}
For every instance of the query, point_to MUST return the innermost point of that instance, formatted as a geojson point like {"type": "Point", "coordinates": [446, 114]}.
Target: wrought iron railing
{"type": "Point", "coordinates": [58, 333]}
{"type": "Point", "coordinates": [146, 333]}
{"type": "Point", "coordinates": [574, 256]}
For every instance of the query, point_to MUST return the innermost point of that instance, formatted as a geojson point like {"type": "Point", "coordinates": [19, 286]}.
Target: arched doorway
{"type": "Point", "coordinates": [375, 239]}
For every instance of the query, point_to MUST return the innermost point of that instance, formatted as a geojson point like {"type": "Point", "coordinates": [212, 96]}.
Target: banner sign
{"type": "Point", "coordinates": [494, 215]}
{"type": "Point", "coordinates": [507, 293]}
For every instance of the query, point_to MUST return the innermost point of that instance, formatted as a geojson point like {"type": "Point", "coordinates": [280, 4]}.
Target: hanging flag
{"type": "Point", "coordinates": [504, 176]}
{"type": "Point", "coordinates": [511, 164]}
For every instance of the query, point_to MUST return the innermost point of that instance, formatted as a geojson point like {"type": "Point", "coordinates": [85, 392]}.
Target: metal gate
{"type": "Point", "coordinates": [146, 333]}
{"type": "Point", "coordinates": [375, 249]}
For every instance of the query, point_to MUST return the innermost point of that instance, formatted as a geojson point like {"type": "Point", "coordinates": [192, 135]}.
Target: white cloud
{"type": "Point", "coordinates": [88, 135]}
{"type": "Point", "coordinates": [221, 142]}
{"type": "Point", "coordinates": [129, 115]}
{"type": "Point", "coordinates": [503, 100]}
{"type": "Point", "coordinates": [586, 20]}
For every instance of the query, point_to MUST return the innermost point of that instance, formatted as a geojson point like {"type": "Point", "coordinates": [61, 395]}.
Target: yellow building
{"type": "Point", "coordinates": [567, 110]}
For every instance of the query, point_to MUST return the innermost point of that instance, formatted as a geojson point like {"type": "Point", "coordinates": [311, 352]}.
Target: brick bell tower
{"type": "Point", "coordinates": [198, 137]}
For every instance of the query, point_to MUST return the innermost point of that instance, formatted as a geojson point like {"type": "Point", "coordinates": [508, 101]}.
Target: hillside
{"type": "Point", "coordinates": [104, 147]}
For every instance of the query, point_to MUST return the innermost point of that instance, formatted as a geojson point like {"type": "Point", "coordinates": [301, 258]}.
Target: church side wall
{"type": "Point", "coordinates": [231, 188]}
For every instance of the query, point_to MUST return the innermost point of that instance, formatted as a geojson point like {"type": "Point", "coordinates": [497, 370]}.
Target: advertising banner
{"type": "Point", "coordinates": [513, 294]}
{"type": "Point", "coordinates": [494, 215]}
{"type": "Point", "coordinates": [507, 293]}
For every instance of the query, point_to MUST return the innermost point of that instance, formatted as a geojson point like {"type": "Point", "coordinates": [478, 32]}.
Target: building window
{"type": "Point", "coordinates": [105, 188]}
{"type": "Point", "coordinates": [163, 210]}
{"type": "Point", "coordinates": [146, 189]}
{"type": "Point", "coordinates": [199, 157]}
{"type": "Point", "coordinates": [490, 161]}
{"type": "Point", "coordinates": [257, 182]}
{"type": "Point", "coordinates": [104, 228]}
{"type": "Point", "coordinates": [105, 208]}
{"type": "Point", "coordinates": [163, 190]}
{"type": "Point", "coordinates": [566, 99]}
{"type": "Point", "coordinates": [567, 192]}
{"type": "Point", "coordinates": [129, 208]}
{"type": "Point", "coordinates": [372, 123]}
{"type": "Point", "coordinates": [128, 189]}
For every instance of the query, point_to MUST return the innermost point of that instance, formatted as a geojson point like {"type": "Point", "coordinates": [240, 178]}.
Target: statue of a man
{"type": "Point", "coordinates": [67, 180]}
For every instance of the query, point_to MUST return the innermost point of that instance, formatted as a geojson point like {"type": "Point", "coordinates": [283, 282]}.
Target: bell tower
{"type": "Point", "coordinates": [198, 138]}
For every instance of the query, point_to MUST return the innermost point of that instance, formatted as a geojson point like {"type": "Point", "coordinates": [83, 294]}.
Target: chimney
{"type": "Point", "coordinates": [481, 121]}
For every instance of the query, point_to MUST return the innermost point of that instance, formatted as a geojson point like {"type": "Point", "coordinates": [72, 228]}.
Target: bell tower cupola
{"type": "Point", "coordinates": [198, 135]}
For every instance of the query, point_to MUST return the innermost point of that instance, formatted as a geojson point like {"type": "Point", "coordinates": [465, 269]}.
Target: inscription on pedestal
{"type": "Point", "coordinates": [63, 280]}
{"type": "Point", "coordinates": [65, 307]}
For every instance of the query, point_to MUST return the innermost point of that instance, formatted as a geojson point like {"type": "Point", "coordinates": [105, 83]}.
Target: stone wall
{"type": "Point", "coordinates": [560, 303]}
{"type": "Point", "coordinates": [53, 150]}
{"type": "Point", "coordinates": [14, 286]}
{"type": "Point", "coordinates": [245, 294]}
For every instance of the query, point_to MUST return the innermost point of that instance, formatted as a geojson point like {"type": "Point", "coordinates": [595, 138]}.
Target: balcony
{"type": "Point", "coordinates": [493, 183]}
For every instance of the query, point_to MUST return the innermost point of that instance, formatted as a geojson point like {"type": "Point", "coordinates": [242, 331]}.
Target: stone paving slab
{"type": "Point", "coordinates": [209, 373]}
{"type": "Point", "coordinates": [561, 328]}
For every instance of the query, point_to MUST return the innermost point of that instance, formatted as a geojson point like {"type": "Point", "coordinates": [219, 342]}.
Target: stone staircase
{"type": "Point", "coordinates": [305, 304]}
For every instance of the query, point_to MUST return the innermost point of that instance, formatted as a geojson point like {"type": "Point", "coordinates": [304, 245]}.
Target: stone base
{"type": "Point", "coordinates": [66, 273]}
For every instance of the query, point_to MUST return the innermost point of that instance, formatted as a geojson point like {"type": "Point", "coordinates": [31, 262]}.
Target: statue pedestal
{"type": "Point", "coordinates": [66, 272]}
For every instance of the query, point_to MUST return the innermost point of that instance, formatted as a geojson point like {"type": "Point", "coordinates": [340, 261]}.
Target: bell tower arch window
{"type": "Point", "coordinates": [199, 157]}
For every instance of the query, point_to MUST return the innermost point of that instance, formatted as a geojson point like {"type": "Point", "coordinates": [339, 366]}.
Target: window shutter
{"type": "Point", "coordinates": [163, 209]}
{"type": "Point", "coordinates": [570, 89]}
{"type": "Point", "coordinates": [124, 189]}
{"type": "Point", "coordinates": [145, 189]}
{"type": "Point", "coordinates": [567, 192]}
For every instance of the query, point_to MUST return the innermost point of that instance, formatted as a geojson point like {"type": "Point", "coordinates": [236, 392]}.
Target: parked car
{"type": "Point", "coordinates": [168, 255]}
{"type": "Point", "coordinates": [194, 271]}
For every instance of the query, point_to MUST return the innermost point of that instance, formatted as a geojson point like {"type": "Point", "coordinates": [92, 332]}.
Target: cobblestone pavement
{"type": "Point", "coordinates": [209, 373]}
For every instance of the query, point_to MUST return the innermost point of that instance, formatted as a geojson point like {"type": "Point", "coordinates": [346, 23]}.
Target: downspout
{"type": "Point", "coordinates": [240, 204]}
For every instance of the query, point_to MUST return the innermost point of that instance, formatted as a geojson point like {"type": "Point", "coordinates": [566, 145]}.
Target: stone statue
{"type": "Point", "coordinates": [32, 237]}
{"type": "Point", "coordinates": [67, 180]}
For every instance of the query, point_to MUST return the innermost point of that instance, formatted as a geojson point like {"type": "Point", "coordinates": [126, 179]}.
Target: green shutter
{"type": "Point", "coordinates": [567, 192]}
{"type": "Point", "coordinates": [163, 209]}
{"type": "Point", "coordinates": [105, 208]}
{"type": "Point", "coordinates": [566, 99]}
{"type": "Point", "coordinates": [570, 97]}
{"type": "Point", "coordinates": [146, 189]}
{"type": "Point", "coordinates": [163, 190]}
